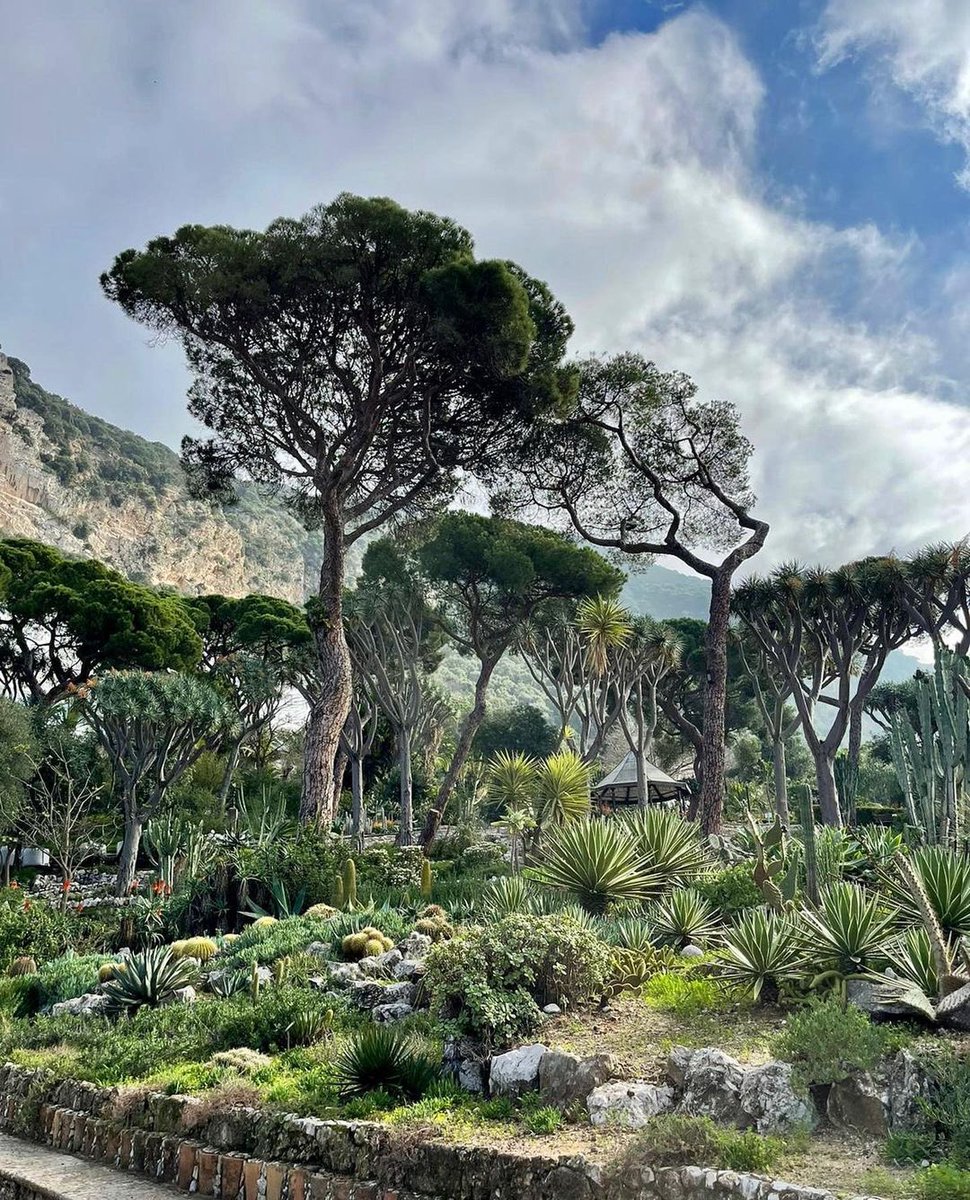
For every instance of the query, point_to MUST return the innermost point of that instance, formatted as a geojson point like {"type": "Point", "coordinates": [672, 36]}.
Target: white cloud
{"type": "Point", "coordinates": [621, 173]}
{"type": "Point", "coordinates": [922, 45]}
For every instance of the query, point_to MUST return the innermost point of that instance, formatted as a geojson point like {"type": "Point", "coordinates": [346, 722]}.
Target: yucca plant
{"type": "Point", "coordinates": [761, 953]}
{"type": "Point", "coordinates": [511, 780]}
{"type": "Point", "coordinates": [669, 845]}
{"type": "Point", "coordinates": [910, 956]}
{"type": "Point", "coordinates": [148, 979]}
{"type": "Point", "coordinates": [683, 917]}
{"type": "Point", "coordinates": [562, 789]}
{"type": "Point", "coordinates": [596, 863]}
{"type": "Point", "coordinates": [308, 1026]}
{"type": "Point", "coordinates": [848, 935]}
{"type": "Point", "coordinates": [604, 627]}
{"type": "Point", "coordinates": [383, 1058]}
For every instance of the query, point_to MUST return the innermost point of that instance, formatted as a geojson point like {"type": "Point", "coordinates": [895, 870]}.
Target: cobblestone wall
{"type": "Point", "coordinates": [243, 1154]}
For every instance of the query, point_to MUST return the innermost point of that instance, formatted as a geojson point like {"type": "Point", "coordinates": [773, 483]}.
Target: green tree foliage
{"type": "Point", "coordinates": [153, 727]}
{"type": "Point", "coordinates": [63, 619]}
{"type": "Point", "coordinates": [356, 360]}
{"type": "Point", "coordinates": [522, 729]}
{"type": "Point", "coordinates": [492, 576]}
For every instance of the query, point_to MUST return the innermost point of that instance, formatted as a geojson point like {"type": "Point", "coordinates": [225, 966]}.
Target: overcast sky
{"type": "Point", "coordinates": [772, 196]}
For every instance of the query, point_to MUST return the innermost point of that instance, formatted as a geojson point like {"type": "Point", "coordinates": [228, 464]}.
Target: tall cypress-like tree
{"type": "Point", "coordinates": [356, 360]}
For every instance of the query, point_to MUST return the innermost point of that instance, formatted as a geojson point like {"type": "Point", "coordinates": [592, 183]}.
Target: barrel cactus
{"type": "Point", "coordinates": [25, 965]}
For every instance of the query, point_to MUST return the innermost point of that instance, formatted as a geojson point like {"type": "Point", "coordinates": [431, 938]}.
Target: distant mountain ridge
{"type": "Point", "coordinates": [82, 484]}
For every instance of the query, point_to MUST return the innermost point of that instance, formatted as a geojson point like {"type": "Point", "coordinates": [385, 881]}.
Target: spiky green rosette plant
{"type": "Point", "coordinates": [932, 960]}
{"type": "Point", "coordinates": [684, 916]}
{"type": "Point", "coordinates": [148, 979]}
{"type": "Point", "coordinates": [762, 953]}
{"type": "Point", "coordinates": [596, 863]}
{"type": "Point", "coordinates": [848, 934]}
{"type": "Point", "coordinates": [669, 845]}
{"type": "Point", "coordinates": [381, 1058]}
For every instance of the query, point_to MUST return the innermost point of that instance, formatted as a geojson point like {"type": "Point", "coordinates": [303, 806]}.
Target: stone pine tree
{"type": "Point", "coordinates": [644, 468]}
{"type": "Point", "coordinates": [491, 577]}
{"type": "Point", "coordinates": [358, 360]}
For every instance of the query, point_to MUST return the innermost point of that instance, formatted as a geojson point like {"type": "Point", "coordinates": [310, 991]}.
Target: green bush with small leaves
{"type": "Point", "coordinates": [943, 1182]}
{"type": "Point", "coordinates": [495, 979]}
{"type": "Point", "coordinates": [674, 1140]}
{"type": "Point", "coordinates": [730, 891]}
{"type": "Point", "coordinates": [827, 1042]}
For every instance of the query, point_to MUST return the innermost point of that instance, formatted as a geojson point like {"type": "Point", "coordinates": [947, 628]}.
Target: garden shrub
{"type": "Point", "coordinates": [311, 861]}
{"type": "Point", "coordinates": [64, 978]}
{"type": "Point", "coordinates": [826, 1042]}
{"type": "Point", "coordinates": [30, 927]}
{"type": "Point", "coordinates": [264, 944]}
{"type": "Point", "coordinates": [943, 1182]}
{"type": "Point", "coordinates": [386, 866]}
{"type": "Point", "coordinates": [946, 1110]}
{"type": "Point", "coordinates": [730, 891]}
{"type": "Point", "coordinates": [482, 856]}
{"type": "Point", "coordinates": [674, 1140]}
{"type": "Point", "coordinates": [496, 979]}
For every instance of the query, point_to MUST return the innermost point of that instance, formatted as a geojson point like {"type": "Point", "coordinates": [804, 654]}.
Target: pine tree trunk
{"type": "Point", "coordinates": [780, 768]}
{"type": "Point", "coordinates": [405, 833]}
{"type": "Point", "coordinates": [466, 735]}
{"type": "Point", "coordinates": [333, 689]}
{"type": "Point", "coordinates": [711, 803]}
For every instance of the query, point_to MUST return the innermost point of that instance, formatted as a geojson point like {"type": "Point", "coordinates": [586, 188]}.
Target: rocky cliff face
{"type": "Point", "coordinates": [78, 483]}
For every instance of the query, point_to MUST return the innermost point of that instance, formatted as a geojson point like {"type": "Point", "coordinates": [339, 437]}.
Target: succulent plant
{"type": "Point", "coordinates": [108, 971]}
{"type": "Point", "coordinates": [427, 878]}
{"type": "Point", "coordinates": [201, 948]}
{"type": "Point", "coordinates": [365, 943]}
{"type": "Point", "coordinates": [321, 912]}
{"type": "Point", "coordinates": [350, 884]}
{"type": "Point", "coordinates": [266, 922]}
{"type": "Point", "coordinates": [25, 965]}
{"type": "Point", "coordinates": [436, 928]}
{"type": "Point", "coordinates": [148, 979]}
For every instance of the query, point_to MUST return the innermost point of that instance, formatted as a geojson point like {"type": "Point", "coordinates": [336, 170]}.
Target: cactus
{"type": "Point", "coordinates": [776, 878]}
{"type": "Point", "coordinates": [107, 972]}
{"type": "Point", "coordinates": [202, 948]}
{"type": "Point", "coordinates": [25, 965]}
{"type": "Point", "coordinates": [931, 757]}
{"type": "Point", "coordinates": [436, 928]}
{"type": "Point", "coordinates": [807, 819]}
{"type": "Point", "coordinates": [427, 878]}
{"type": "Point", "coordinates": [338, 893]}
{"type": "Point", "coordinates": [264, 922]}
{"type": "Point", "coordinates": [350, 884]}
{"type": "Point", "coordinates": [321, 912]}
{"type": "Point", "coordinates": [365, 943]}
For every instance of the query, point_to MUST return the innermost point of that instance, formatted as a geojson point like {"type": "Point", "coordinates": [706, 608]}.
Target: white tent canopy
{"type": "Point", "coordinates": [620, 786]}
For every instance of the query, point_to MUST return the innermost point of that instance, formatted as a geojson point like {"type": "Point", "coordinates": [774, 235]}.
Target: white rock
{"type": "Point", "coordinates": [87, 1005]}
{"type": "Point", "coordinates": [516, 1072]}
{"type": "Point", "coordinates": [770, 1101]}
{"type": "Point", "coordinates": [415, 945]}
{"type": "Point", "coordinates": [379, 966]}
{"type": "Point", "coordinates": [630, 1105]}
{"type": "Point", "coordinates": [384, 1014]}
{"type": "Point", "coordinates": [552, 1010]}
{"type": "Point", "coordinates": [712, 1086]}
{"type": "Point", "coordinates": [692, 951]}
{"type": "Point", "coordinates": [408, 969]}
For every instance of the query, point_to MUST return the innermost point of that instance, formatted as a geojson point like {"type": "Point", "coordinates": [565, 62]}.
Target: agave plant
{"type": "Point", "coordinates": [508, 894]}
{"type": "Point", "coordinates": [944, 876]}
{"type": "Point", "coordinates": [596, 863]}
{"type": "Point", "coordinates": [669, 845]}
{"type": "Point", "coordinates": [382, 1057]}
{"type": "Point", "coordinates": [228, 983]}
{"type": "Point", "coordinates": [848, 935]}
{"type": "Point", "coordinates": [148, 979]}
{"type": "Point", "coordinates": [683, 917]}
{"type": "Point", "coordinates": [761, 953]}
{"type": "Point", "coordinates": [282, 905]}
{"type": "Point", "coordinates": [562, 789]}
{"type": "Point", "coordinates": [932, 972]}
{"type": "Point", "coordinates": [632, 933]}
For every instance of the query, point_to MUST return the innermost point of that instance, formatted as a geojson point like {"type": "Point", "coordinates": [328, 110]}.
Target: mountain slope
{"type": "Point", "coordinates": [90, 488]}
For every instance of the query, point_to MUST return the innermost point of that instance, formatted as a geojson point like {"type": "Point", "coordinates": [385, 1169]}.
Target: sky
{"type": "Point", "coordinates": [772, 195]}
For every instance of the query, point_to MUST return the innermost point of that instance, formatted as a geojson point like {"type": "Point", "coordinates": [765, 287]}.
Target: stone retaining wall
{"type": "Point", "coordinates": [243, 1154]}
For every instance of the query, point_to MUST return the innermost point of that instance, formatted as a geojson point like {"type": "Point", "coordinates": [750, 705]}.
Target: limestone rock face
{"type": "Point", "coordinates": [379, 966]}
{"type": "Point", "coordinates": [712, 1087]}
{"type": "Point", "coordinates": [565, 1079]}
{"type": "Point", "coordinates": [629, 1105]}
{"type": "Point", "coordinates": [384, 1014]}
{"type": "Point", "coordinates": [516, 1072]}
{"type": "Point", "coordinates": [770, 1101]}
{"type": "Point", "coordinates": [367, 993]}
{"type": "Point", "coordinates": [86, 1006]}
{"type": "Point", "coordinates": [859, 1103]}
{"type": "Point", "coordinates": [908, 1086]}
